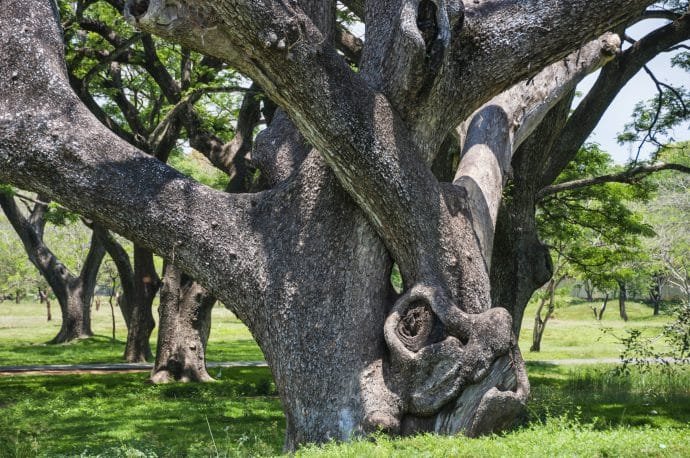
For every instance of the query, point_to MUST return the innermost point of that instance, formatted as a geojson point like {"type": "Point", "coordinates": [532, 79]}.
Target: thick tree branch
{"type": "Point", "coordinates": [230, 156]}
{"type": "Point", "coordinates": [493, 134]}
{"type": "Point", "coordinates": [631, 176]}
{"type": "Point", "coordinates": [496, 39]}
{"type": "Point", "coordinates": [348, 44]}
{"type": "Point", "coordinates": [50, 143]}
{"type": "Point", "coordinates": [611, 80]}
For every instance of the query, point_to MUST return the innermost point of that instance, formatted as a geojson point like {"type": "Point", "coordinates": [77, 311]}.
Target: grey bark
{"type": "Point", "coordinates": [306, 264]}
{"type": "Point", "coordinates": [184, 327]}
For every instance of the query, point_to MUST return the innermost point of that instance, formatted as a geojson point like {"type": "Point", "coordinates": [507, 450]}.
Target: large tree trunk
{"type": "Point", "coordinates": [140, 303]}
{"type": "Point", "coordinates": [184, 326]}
{"type": "Point", "coordinates": [76, 295]}
{"type": "Point", "coordinates": [306, 265]}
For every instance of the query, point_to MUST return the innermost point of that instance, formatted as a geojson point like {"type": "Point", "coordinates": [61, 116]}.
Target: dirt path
{"type": "Point", "coordinates": [56, 369]}
{"type": "Point", "coordinates": [122, 368]}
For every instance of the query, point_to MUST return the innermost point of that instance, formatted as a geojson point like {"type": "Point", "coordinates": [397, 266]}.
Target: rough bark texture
{"type": "Point", "coordinates": [306, 264]}
{"type": "Point", "coordinates": [184, 326]}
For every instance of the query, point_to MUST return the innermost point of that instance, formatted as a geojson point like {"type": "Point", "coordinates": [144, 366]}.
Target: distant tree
{"type": "Point", "coordinates": [73, 291]}
{"type": "Point", "coordinates": [592, 227]}
{"type": "Point", "coordinates": [148, 92]}
{"type": "Point", "coordinates": [669, 213]}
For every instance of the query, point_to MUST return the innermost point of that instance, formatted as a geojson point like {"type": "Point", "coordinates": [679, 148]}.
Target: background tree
{"type": "Point", "coordinates": [148, 92]}
{"type": "Point", "coordinates": [306, 264]}
{"type": "Point", "coordinates": [590, 231]}
{"type": "Point", "coordinates": [668, 213]}
{"type": "Point", "coordinates": [73, 292]}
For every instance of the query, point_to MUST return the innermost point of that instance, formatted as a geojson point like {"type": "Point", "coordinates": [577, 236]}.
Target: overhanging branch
{"type": "Point", "coordinates": [629, 176]}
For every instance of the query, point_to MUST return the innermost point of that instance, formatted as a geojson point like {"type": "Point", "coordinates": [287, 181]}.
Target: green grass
{"type": "Point", "coordinates": [573, 333]}
{"type": "Point", "coordinates": [24, 332]}
{"type": "Point", "coordinates": [95, 414]}
{"type": "Point", "coordinates": [575, 412]}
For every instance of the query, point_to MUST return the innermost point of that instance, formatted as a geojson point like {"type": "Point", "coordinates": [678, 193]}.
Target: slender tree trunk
{"type": "Point", "coordinates": [655, 293]}
{"type": "Point", "coordinates": [112, 308]}
{"type": "Point", "coordinates": [539, 323]}
{"type": "Point", "coordinates": [603, 307]}
{"type": "Point", "coordinates": [141, 323]}
{"type": "Point", "coordinates": [589, 290]}
{"type": "Point", "coordinates": [44, 297]}
{"type": "Point", "coordinates": [622, 297]}
{"type": "Point", "coordinates": [184, 327]}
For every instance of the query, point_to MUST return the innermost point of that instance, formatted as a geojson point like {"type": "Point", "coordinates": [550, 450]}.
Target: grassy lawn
{"type": "Point", "coordinates": [574, 412]}
{"type": "Point", "coordinates": [573, 333]}
{"type": "Point", "coordinates": [24, 331]}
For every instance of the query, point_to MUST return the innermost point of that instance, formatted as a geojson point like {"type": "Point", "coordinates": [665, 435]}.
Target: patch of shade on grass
{"type": "Point", "coordinates": [582, 411]}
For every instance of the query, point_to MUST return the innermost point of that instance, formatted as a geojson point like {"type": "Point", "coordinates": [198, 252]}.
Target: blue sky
{"type": "Point", "coordinates": [639, 88]}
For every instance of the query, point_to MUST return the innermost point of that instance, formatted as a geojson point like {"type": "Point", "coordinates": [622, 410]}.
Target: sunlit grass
{"type": "Point", "coordinates": [587, 411]}
{"type": "Point", "coordinates": [24, 332]}
{"type": "Point", "coordinates": [573, 333]}
{"type": "Point", "coordinates": [72, 414]}
{"type": "Point", "coordinates": [574, 411]}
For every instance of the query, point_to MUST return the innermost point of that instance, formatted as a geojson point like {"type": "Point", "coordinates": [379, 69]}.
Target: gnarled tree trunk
{"type": "Point", "coordinates": [306, 264]}
{"type": "Point", "coordinates": [184, 327]}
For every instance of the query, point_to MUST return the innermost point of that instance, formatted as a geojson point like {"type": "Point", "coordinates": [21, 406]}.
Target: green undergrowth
{"type": "Point", "coordinates": [583, 411]}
